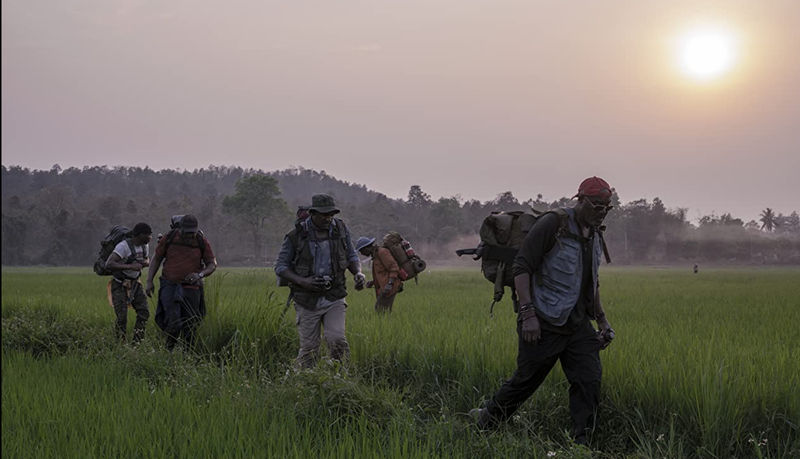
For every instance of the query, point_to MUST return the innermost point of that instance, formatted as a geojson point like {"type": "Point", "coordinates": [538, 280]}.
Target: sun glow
{"type": "Point", "coordinates": [707, 53]}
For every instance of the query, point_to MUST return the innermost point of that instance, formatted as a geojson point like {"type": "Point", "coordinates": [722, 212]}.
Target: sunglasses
{"type": "Point", "coordinates": [599, 208]}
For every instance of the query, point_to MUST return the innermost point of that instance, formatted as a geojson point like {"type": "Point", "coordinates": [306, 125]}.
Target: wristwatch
{"type": "Point", "coordinates": [201, 275]}
{"type": "Point", "coordinates": [526, 307]}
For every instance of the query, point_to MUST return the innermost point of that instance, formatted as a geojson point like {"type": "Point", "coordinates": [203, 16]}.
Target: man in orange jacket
{"type": "Point", "coordinates": [385, 273]}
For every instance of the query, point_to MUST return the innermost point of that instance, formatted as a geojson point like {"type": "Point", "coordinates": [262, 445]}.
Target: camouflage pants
{"type": "Point", "coordinates": [121, 298]}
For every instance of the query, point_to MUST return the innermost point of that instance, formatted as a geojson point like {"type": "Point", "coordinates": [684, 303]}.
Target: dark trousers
{"type": "Point", "coordinates": [121, 297]}
{"type": "Point", "coordinates": [180, 311]}
{"type": "Point", "coordinates": [580, 359]}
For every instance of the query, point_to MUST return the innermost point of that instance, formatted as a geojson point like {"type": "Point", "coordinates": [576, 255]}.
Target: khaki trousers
{"type": "Point", "coordinates": [309, 327]}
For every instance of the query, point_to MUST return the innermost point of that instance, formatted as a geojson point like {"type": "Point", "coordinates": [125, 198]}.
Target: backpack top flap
{"type": "Point", "coordinates": [391, 239]}
{"type": "Point", "coordinates": [117, 234]}
{"type": "Point", "coordinates": [497, 228]}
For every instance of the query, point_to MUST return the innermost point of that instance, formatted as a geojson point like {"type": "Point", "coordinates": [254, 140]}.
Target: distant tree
{"type": "Point", "coordinates": [44, 208]}
{"type": "Point", "coordinates": [110, 207]}
{"type": "Point", "coordinates": [506, 201]}
{"type": "Point", "coordinates": [792, 223]}
{"type": "Point", "coordinates": [258, 204]}
{"type": "Point", "coordinates": [446, 217]}
{"type": "Point", "coordinates": [418, 203]}
{"type": "Point", "coordinates": [131, 207]}
{"type": "Point", "coordinates": [15, 232]}
{"type": "Point", "coordinates": [752, 225]}
{"type": "Point", "coordinates": [768, 220]}
{"type": "Point", "coordinates": [417, 198]}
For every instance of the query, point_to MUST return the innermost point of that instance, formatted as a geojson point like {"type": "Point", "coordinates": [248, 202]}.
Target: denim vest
{"type": "Point", "coordinates": [561, 275]}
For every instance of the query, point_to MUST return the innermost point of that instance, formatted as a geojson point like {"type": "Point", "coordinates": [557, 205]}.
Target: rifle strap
{"type": "Point", "coordinates": [605, 248]}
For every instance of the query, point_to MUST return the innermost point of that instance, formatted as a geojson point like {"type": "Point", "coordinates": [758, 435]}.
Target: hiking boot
{"type": "Point", "coordinates": [482, 418]}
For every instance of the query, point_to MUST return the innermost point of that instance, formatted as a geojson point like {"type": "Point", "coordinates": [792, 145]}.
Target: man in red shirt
{"type": "Point", "coordinates": [188, 258]}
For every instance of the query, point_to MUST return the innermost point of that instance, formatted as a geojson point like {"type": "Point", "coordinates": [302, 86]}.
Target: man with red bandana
{"type": "Point", "coordinates": [555, 274]}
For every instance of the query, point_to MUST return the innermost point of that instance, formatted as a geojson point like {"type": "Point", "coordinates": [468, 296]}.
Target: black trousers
{"type": "Point", "coordinates": [580, 359]}
{"type": "Point", "coordinates": [179, 313]}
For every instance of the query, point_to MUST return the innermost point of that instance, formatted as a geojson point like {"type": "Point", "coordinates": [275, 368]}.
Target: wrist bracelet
{"type": "Point", "coordinates": [526, 307]}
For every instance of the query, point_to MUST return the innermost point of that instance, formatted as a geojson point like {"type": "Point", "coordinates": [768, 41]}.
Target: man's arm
{"type": "Point", "coordinates": [211, 266]}
{"type": "Point", "coordinates": [114, 263]}
{"type": "Point", "coordinates": [538, 242]}
{"type": "Point", "coordinates": [600, 313]}
{"type": "Point", "coordinates": [151, 273]}
{"type": "Point", "coordinates": [355, 263]}
{"type": "Point", "coordinates": [284, 268]}
{"type": "Point", "coordinates": [210, 261]}
{"type": "Point", "coordinates": [158, 258]}
{"type": "Point", "coordinates": [388, 261]}
{"type": "Point", "coordinates": [604, 327]}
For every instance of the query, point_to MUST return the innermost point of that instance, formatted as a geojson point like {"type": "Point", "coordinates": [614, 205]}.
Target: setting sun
{"type": "Point", "coordinates": [707, 53]}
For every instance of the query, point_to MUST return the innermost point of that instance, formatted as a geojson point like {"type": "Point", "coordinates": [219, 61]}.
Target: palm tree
{"type": "Point", "coordinates": [768, 220]}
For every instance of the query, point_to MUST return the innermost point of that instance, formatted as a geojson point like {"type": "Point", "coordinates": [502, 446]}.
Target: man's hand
{"type": "Point", "coordinates": [312, 283]}
{"type": "Point", "coordinates": [193, 278]}
{"type": "Point", "coordinates": [360, 280]}
{"type": "Point", "coordinates": [150, 289]}
{"type": "Point", "coordinates": [605, 332]}
{"type": "Point", "coordinates": [370, 284]}
{"type": "Point", "coordinates": [387, 289]}
{"type": "Point", "coordinates": [137, 266]}
{"type": "Point", "coordinates": [531, 332]}
{"type": "Point", "coordinates": [144, 262]}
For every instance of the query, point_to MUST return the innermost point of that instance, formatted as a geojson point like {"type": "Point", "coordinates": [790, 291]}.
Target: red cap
{"type": "Point", "coordinates": [594, 186]}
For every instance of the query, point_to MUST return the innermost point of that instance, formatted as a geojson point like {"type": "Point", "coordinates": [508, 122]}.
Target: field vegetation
{"type": "Point", "coordinates": [704, 366]}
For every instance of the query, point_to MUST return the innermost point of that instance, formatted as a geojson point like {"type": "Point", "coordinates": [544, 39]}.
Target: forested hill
{"type": "Point", "coordinates": [57, 217]}
{"type": "Point", "coordinates": [136, 182]}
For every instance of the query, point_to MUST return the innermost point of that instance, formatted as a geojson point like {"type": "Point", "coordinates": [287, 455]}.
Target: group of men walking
{"type": "Point", "coordinates": [187, 258]}
{"type": "Point", "coordinates": [555, 276]}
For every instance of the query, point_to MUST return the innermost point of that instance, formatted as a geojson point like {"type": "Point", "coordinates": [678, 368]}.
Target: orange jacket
{"type": "Point", "coordinates": [385, 267]}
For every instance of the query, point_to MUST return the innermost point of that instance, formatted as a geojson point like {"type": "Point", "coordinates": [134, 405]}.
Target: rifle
{"type": "Point", "coordinates": [477, 251]}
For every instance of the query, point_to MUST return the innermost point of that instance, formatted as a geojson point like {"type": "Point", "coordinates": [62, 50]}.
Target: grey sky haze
{"type": "Point", "coordinates": [461, 96]}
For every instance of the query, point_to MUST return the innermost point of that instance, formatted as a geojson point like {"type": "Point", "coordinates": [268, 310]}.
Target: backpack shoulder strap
{"type": "Point", "coordinates": [132, 248]}
{"type": "Point", "coordinates": [200, 237]}
{"type": "Point", "coordinates": [563, 219]}
{"type": "Point", "coordinates": [201, 243]}
{"type": "Point", "coordinates": [600, 232]}
{"type": "Point", "coordinates": [170, 239]}
{"type": "Point", "coordinates": [341, 228]}
{"type": "Point", "coordinates": [563, 230]}
{"type": "Point", "coordinates": [298, 236]}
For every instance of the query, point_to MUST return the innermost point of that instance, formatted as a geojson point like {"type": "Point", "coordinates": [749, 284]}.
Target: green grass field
{"type": "Point", "coordinates": [704, 366]}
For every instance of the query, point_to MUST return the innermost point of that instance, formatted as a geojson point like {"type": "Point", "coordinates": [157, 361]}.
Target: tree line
{"type": "Point", "coordinates": [57, 217]}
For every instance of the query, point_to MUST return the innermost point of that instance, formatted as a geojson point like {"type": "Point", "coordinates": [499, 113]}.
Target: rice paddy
{"type": "Point", "coordinates": [703, 366]}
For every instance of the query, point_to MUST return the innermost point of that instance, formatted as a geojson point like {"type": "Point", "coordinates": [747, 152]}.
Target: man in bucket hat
{"type": "Point", "coordinates": [555, 274]}
{"type": "Point", "coordinates": [313, 259]}
{"type": "Point", "coordinates": [385, 273]}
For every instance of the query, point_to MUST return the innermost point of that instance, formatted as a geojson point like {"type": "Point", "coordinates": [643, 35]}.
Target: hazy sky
{"type": "Point", "coordinates": [459, 96]}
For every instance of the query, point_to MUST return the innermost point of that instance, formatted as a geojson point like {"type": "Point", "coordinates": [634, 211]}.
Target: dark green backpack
{"type": "Point", "coordinates": [502, 235]}
{"type": "Point", "coordinates": [117, 234]}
